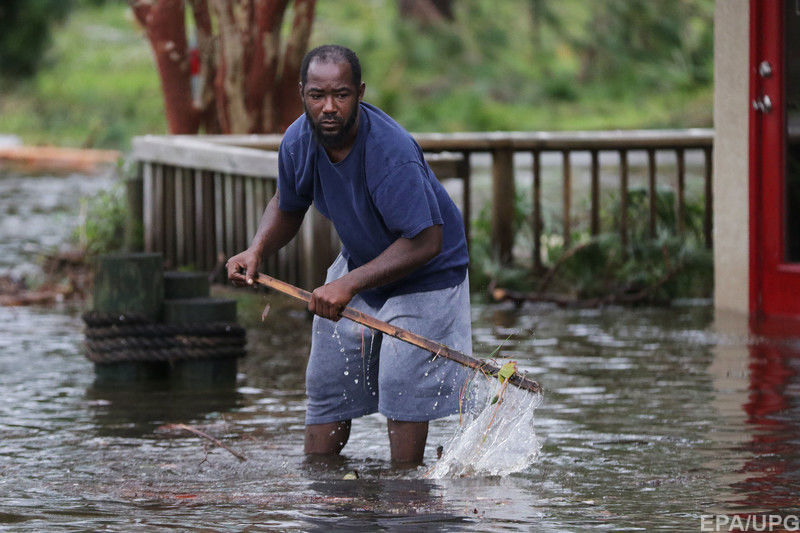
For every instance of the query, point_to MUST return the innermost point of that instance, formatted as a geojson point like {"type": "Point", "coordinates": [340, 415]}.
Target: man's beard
{"type": "Point", "coordinates": [332, 140]}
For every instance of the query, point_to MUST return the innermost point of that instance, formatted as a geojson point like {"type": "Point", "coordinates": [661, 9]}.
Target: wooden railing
{"type": "Point", "coordinates": [204, 195]}
{"type": "Point", "coordinates": [202, 200]}
{"type": "Point", "coordinates": [503, 146]}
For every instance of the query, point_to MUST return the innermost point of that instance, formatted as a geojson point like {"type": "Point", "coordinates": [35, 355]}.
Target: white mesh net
{"type": "Point", "coordinates": [496, 435]}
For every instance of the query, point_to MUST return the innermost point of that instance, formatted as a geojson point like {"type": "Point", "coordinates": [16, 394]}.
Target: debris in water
{"type": "Point", "coordinates": [265, 312]}
{"type": "Point", "coordinates": [351, 475]}
{"type": "Point", "coordinates": [199, 433]}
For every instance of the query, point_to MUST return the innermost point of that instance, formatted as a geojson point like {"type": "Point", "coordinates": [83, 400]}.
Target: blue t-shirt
{"type": "Point", "coordinates": [381, 191]}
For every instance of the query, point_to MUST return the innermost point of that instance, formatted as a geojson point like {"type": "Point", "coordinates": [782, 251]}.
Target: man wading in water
{"type": "Point", "coordinates": [403, 259]}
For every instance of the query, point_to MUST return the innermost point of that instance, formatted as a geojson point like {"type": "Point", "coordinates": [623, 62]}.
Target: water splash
{"type": "Point", "coordinates": [495, 437]}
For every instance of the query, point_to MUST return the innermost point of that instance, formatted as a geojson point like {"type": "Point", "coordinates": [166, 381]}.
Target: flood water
{"type": "Point", "coordinates": [651, 418]}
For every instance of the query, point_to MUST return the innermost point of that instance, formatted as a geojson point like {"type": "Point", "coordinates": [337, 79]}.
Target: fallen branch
{"type": "Point", "coordinates": [199, 433]}
{"type": "Point", "coordinates": [500, 294]}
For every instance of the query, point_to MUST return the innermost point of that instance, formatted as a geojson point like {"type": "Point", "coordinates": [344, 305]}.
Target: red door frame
{"type": "Point", "coordinates": [774, 284]}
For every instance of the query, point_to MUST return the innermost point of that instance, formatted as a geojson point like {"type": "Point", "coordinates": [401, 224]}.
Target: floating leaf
{"type": "Point", "coordinates": [506, 371]}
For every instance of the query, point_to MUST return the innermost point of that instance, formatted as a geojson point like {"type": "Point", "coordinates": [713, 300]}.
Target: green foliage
{"type": "Point", "coordinates": [25, 27]}
{"type": "Point", "coordinates": [506, 371]}
{"type": "Point", "coordinates": [484, 264]}
{"type": "Point", "coordinates": [103, 219]}
{"type": "Point", "coordinates": [511, 65]}
{"type": "Point", "coordinates": [666, 267]}
{"type": "Point", "coordinates": [535, 64]}
{"type": "Point", "coordinates": [97, 87]}
{"type": "Point", "coordinates": [603, 267]}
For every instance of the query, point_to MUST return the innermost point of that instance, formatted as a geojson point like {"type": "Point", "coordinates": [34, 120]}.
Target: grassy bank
{"type": "Point", "coordinates": [99, 87]}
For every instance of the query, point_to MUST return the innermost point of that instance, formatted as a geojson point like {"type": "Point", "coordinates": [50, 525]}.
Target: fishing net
{"type": "Point", "coordinates": [495, 435]}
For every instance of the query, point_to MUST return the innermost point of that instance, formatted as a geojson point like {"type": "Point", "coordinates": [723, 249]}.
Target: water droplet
{"type": "Point", "coordinates": [355, 381]}
{"type": "Point", "coordinates": [346, 372]}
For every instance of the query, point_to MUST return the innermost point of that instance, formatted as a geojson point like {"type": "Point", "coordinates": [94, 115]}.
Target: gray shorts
{"type": "Point", "coordinates": [354, 371]}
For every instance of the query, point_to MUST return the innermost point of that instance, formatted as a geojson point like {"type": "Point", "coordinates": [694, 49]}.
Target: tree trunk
{"type": "Point", "coordinates": [209, 121]}
{"type": "Point", "coordinates": [248, 82]}
{"type": "Point", "coordinates": [164, 21]}
{"type": "Point", "coordinates": [263, 75]}
{"type": "Point", "coordinates": [232, 18]}
{"type": "Point", "coordinates": [287, 104]}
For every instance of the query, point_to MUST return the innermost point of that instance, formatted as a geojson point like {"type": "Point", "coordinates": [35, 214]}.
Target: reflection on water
{"type": "Point", "coordinates": [771, 472]}
{"type": "Point", "coordinates": [650, 418]}
{"type": "Point", "coordinates": [38, 214]}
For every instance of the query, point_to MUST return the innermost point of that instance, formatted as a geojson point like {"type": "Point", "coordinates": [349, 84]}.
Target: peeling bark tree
{"type": "Point", "coordinates": [247, 80]}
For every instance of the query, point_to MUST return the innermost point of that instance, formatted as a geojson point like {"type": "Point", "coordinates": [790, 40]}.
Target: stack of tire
{"type": "Point", "coordinates": [149, 325]}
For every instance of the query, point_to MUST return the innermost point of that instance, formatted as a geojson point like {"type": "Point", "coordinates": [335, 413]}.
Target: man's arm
{"type": "Point", "coordinates": [401, 258]}
{"type": "Point", "coordinates": [276, 228]}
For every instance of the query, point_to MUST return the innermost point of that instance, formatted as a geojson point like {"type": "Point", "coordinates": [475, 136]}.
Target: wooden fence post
{"type": "Point", "coordinates": [503, 194]}
{"type": "Point", "coordinates": [623, 199]}
{"type": "Point", "coordinates": [681, 193]}
{"type": "Point", "coordinates": [708, 220]}
{"type": "Point", "coordinates": [465, 173]}
{"type": "Point", "coordinates": [566, 197]}
{"type": "Point", "coordinates": [134, 199]}
{"type": "Point", "coordinates": [537, 212]}
{"type": "Point", "coordinates": [652, 190]}
{"type": "Point", "coordinates": [595, 223]}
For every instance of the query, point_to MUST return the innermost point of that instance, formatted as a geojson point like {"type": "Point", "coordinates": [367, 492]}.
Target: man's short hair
{"type": "Point", "coordinates": [332, 53]}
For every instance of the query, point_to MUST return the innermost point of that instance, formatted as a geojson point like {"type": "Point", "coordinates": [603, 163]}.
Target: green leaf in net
{"type": "Point", "coordinates": [506, 371]}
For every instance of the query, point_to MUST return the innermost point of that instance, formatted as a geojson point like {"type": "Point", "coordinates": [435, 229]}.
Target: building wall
{"type": "Point", "coordinates": [731, 149]}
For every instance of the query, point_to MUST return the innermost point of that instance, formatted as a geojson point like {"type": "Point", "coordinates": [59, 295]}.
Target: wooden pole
{"type": "Point", "coordinates": [157, 243]}
{"type": "Point", "coordinates": [211, 243]}
{"type": "Point", "coordinates": [134, 191]}
{"type": "Point", "coordinates": [464, 172]}
{"type": "Point", "coordinates": [402, 334]}
{"type": "Point", "coordinates": [566, 197]}
{"type": "Point", "coordinates": [503, 203]}
{"type": "Point", "coordinates": [681, 207]}
{"type": "Point", "coordinates": [653, 190]}
{"type": "Point", "coordinates": [595, 192]}
{"type": "Point", "coordinates": [623, 198]}
{"type": "Point", "coordinates": [537, 212]}
{"type": "Point", "coordinates": [180, 215]}
{"type": "Point", "coordinates": [168, 214]}
{"type": "Point", "coordinates": [708, 215]}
